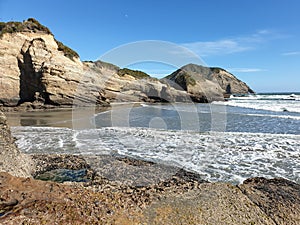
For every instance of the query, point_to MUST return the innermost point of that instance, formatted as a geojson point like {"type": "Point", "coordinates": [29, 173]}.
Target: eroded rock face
{"type": "Point", "coordinates": [229, 83]}
{"type": "Point", "coordinates": [206, 84]}
{"type": "Point", "coordinates": [199, 88]}
{"type": "Point", "coordinates": [11, 159]}
{"type": "Point", "coordinates": [125, 88]}
{"type": "Point", "coordinates": [32, 67]}
{"type": "Point", "coordinates": [36, 68]}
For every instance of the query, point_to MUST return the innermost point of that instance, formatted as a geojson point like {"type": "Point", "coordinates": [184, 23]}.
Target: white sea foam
{"type": "Point", "coordinates": [265, 105]}
{"type": "Point", "coordinates": [183, 107]}
{"type": "Point", "coordinates": [217, 156]}
{"type": "Point", "coordinates": [295, 97]}
{"type": "Point", "coordinates": [45, 139]}
{"type": "Point", "coordinates": [274, 116]}
{"type": "Point", "coordinates": [278, 103]}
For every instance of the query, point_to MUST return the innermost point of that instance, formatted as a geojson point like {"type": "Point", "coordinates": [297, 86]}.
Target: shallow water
{"type": "Point", "coordinates": [228, 156]}
{"type": "Point", "coordinates": [220, 141]}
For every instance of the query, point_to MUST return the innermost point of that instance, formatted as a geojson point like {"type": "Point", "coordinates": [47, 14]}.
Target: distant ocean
{"type": "Point", "coordinates": [248, 136]}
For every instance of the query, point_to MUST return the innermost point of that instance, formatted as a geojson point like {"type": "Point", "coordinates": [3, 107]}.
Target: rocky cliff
{"type": "Point", "coordinates": [121, 85]}
{"type": "Point", "coordinates": [36, 70]}
{"type": "Point", "coordinates": [206, 84]}
{"type": "Point", "coordinates": [11, 159]}
{"type": "Point", "coordinates": [36, 67]}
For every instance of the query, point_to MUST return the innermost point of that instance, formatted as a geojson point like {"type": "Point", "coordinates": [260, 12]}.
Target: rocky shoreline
{"type": "Point", "coordinates": [39, 72]}
{"type": "Point", "coordinates": [182, 198]}
{"type": "Point", "coordinates": [115, 189]}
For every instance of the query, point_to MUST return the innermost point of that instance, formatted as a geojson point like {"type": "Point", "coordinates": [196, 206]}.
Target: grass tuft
{"type": "Point", "coordinates": [135, 73]}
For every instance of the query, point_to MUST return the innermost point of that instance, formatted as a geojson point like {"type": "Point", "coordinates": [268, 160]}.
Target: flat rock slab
{"type": "Point", "coordinates": [213, 203]}
{"type": "Point", "coordinates": [278, 198]}
{"type": "Point", "coordinates": [136, 172]}
{"type": "Point", "coordinates": [29, 201]}
{"type": "Point", "coordinates": [118, 169]}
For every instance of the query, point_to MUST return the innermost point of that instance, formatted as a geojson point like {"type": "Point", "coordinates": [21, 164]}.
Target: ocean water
{"type": "Point", "coordinates": [223, 141]}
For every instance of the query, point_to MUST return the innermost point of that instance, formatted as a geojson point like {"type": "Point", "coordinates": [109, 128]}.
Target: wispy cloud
{"type": "Point", "coordinates": [230, 45]}
{"type": "Point", "coordinates": [245, 70]}
{"type": "Point", "coordinates": [291, 53]}
{"type": "Point", "coordinates": [221, 47]}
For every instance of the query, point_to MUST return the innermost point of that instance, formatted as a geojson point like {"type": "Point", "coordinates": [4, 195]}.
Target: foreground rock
{"type": "Point", "coordinates": [180, 198]}
{"type": "Point", "coordinates": [11, 159]}
{"type": "Point", "coordinates": [278, 198]}
{"type": "Point", "coordinates": [215, 203]}
{"type": "Point", "coordinates": [38, 202]}
{"type": "Point", "coordinates": [101, 200]}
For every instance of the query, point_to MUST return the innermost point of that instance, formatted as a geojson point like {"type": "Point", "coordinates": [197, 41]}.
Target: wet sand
{"type": "Point", "coordinates": [69, 118]}
{"type": "Point", "coordinates": [74, 118]}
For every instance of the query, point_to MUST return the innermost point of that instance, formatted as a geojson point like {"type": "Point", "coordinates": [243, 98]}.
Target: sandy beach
{"type": "Point", "coordinates": [60, 117]}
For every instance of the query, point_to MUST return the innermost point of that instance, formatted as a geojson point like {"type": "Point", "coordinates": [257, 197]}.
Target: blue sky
{"type": "Point", "coordinates": [258, 40]}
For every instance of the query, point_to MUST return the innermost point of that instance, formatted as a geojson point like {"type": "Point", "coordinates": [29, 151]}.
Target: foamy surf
{"type": "Point", "coordinates": [271, 102]}
{"type": "Point", "coordinates": [225, 156]}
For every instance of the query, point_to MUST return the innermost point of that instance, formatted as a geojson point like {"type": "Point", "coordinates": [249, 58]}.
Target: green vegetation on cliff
{"type": "Point", "coordinates": [30, 25]}
{"type": "Point", "coordinates": [33, 26]}
{"type": "Point", "coordinates": [68, 52]}
{"type": "Point", "coordinates": [135, 73]}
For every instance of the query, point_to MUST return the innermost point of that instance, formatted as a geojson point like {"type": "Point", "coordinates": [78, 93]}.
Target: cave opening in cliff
{"type": "Point", "coordinates": [31, 86]}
